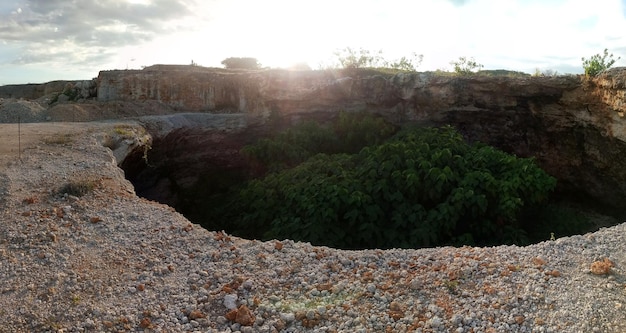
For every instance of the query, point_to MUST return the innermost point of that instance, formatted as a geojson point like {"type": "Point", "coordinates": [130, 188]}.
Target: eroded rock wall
{"type": "Point", "coordinates": [82, 89]}
{"type": "Point", "coordinates": [572, 125]}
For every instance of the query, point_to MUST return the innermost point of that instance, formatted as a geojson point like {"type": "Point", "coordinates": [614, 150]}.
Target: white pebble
{"type": "Point", "coordinates": [287, 317]}
{"type": "Point", "coordinates": [230, 301]}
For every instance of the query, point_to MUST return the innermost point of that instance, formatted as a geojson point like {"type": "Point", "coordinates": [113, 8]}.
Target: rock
{"type": "Point", "coordinates": [601, 267]}
{"type": "Point", "coordinates": [230, 301]}
{"type": "Point", "coordinates": [32, 91]}
{"type": "Point", "coordinates": [242, 316]}
{"type": "Point", "coordinates": [287, 317]}
{"type": "Point", "coordinates": [62, 98]}
{"type": "Point", "coordinates": [196, 314]}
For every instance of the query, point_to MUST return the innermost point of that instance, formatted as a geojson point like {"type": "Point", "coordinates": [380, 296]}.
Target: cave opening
{"type": "Point", "coordinates": [194, 171]}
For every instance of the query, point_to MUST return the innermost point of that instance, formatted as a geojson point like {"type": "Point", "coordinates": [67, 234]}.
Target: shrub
{"type": "Point", "coordinates": [424, 187]}
{"type": "Point", "coordinates": [406, 64]}
{"type": "Point", "coordinates": [291, 147]}
{"type": "Point", "coordinates": [598, 63]}
{"type": "Point", "coordinates": [349, 58]}
{"type": "Point", "coordinates": [545, 73]}
{"type": "Point", "coordinates": [348, 134]}
{"type": "Point", "coordinates": [465, 66]}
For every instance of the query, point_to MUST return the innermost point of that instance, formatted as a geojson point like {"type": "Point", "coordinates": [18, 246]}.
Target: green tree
{"type": "Point", "coordinates": [598, 63]}
{"type": "Point", "coordinates": [241, 63]}
{"type": "Point", "coordinates": [424, 187]}
{"type": "Point", "coordinates": [465, 66]}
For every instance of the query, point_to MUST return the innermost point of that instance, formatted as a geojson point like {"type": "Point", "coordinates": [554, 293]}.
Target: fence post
{"type": "Point", "coordinates": [19, 138]}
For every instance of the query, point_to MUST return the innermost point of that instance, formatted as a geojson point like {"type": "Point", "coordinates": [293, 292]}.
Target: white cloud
{"type": "Point", "coordinates": [512, 34]}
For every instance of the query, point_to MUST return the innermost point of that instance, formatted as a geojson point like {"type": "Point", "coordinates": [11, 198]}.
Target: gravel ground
{"type": "Point", "coordinates": [18, 110]}
{"type": "Point", "coordinates": [108, 261]}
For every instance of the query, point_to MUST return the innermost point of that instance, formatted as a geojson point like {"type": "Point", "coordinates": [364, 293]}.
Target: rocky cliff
{"type": "Point", "coordinates": [81, 89]}
{"type": "Point", "coordinates": [572, 125]}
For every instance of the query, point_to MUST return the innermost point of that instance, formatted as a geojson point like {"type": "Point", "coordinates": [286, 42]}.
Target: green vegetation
{"type": "Point", "coordinates": [465, 66]}
{"type": "Point", "coordinates": [545, 73]}
{"type": "Point", "coordinates": [357, 182]}
{"type": "Point", "coordinates": [350, 133]}
{"type": "Point", "coordinates": [598, 63]}
{"type": "Point", "coordinates": [347, 134]}
{"type": "Point", "coordinates": [241, 63]}
{"type": "Point", "coordinates": [424, 187]}
{"type": "Point", "coordinates": [349, 58]}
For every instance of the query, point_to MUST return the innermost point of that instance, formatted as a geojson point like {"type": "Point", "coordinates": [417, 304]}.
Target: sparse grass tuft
{"type": "Point", "coordinates": [124, 130]}
{"type": "Point", "coordinates": [78, 188]}
{"type": "Point", "coordinates": [60, 139]}
{"type": "Point", "coordinates": [129, 131]}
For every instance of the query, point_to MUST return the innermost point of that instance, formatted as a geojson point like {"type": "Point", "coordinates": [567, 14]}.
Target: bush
{"type": "Point", "coordinates": [348, 134]}
{"type": "Point", "coordinates": [598, 63]}
{"type": "Point", "coordinates": [406, 64]}
{"type": "Point", "coordinates": [291, 147]}
{"type": "Point", "coordinates": [349, 58]}
{"type": "Point", "coordinates": [465, 66]}
{"type": "Point", "coordinates": [424, 187]}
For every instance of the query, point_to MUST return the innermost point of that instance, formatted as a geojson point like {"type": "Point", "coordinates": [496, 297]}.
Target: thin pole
{"type": "Point", "coordinates": [19, 138]}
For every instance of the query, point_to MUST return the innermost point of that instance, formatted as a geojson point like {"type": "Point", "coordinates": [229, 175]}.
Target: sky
{"type": "Point", "coordinates": [45, 40]}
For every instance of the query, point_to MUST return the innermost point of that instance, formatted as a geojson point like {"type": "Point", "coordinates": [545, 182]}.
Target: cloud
{"type": "Point", "coordinates": [41, 25]}
{"type": "Point", "coordinates": [459, 2]}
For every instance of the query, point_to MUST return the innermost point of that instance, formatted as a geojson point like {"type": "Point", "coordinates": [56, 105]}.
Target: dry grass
{"type": "Point", "coordinates": [78, 188]}
{"type": "Point", "coordinates": [59, 139]}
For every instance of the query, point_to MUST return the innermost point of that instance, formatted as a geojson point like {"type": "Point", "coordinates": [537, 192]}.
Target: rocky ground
{"type": "Point", "coordinates": [80, 252]}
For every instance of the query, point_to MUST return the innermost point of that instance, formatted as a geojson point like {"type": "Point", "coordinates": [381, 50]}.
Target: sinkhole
{"type": "Point", "coordinates": [195, 169]}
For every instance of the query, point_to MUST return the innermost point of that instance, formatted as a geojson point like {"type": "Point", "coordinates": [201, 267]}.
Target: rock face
{"type": "Point", "coordinates": [79, 89]}
{"type": "Point", "coordinates": [572, 125]}
{"type": "Point", "coordinates": [186, 148]}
